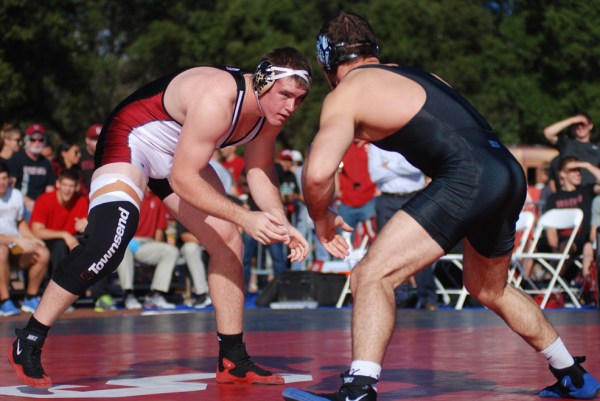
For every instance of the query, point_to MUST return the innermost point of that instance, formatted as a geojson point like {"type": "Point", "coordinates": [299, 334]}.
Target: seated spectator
{"type": "Point", "coordinates": [58, 217]}
{"type": "Point", "coordinates": [68, 157]}
{"type": "Point", "coordinates": [32, 171]}
{"type": "Point", "coordinates": [192, 252]}
{"type": "Point", "coordinates": [18, 247]}
{"type": "Point", "coordinates": [148, 246]}
{"type": "Point", "coordinates": [573, 194]}
{"type": "Point", "coordinates": [10, 142]}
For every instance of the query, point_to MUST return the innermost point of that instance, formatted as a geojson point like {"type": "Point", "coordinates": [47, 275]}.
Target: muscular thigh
{"type": "Point", "coordinates": [479, 199]}
{"type": "Point", "coordinates": [400, 249]}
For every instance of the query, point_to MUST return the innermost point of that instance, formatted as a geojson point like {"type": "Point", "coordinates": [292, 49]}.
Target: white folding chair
{"type": "Point", "coordinates": [559, 219]}
{"type": "Point", "coordinates": [355, 256]}
{"type": "Point", "coordinates": [523, 227]}
{"type": "Point", "coordinates": [456, 259]}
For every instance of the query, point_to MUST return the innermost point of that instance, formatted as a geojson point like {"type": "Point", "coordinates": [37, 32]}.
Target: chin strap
{"type": "Point", "coordinates": [262, 113]}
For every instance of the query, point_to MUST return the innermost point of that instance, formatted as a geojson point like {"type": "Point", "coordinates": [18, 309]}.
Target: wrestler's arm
{"type": "Point", "coordinates": [336, 133]}
{"type": "Point", "coordinates": [208, 115]}
{"type": "Point", "coordinates": [264, 187]}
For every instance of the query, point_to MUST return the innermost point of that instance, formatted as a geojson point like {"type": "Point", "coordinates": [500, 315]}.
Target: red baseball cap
{"type": "Point", "coordinates": [35, 129]}
{"type": "Point", "coordinates": [285, 154]}
{"type": "Point", "coordinates": [94, 131]}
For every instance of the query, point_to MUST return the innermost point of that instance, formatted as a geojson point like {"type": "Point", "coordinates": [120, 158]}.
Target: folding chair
{"type": "Point", "coordinates": [559, 219]}
{"type": "Point", "coordinates": [523, 228]}
{"type": "Point", "coordinates": [355, 256]}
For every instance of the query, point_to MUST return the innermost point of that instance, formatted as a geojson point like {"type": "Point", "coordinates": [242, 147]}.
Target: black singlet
{"type": "Point", "coordinates": [478, 188]}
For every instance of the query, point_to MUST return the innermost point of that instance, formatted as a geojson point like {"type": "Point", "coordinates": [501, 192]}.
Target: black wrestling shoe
{"type": "Point", "coordinates": [355, 388]}
{"type": "Point", "coordinates": [573, 382]}
{"type": "Point", "coordinates": [25, 357]}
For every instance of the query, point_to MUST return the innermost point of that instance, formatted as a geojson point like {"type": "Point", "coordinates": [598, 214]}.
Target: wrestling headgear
{"type": "Point", "coordinates": [330, 55]}
{"type": "Point", "coordinates": [266, 74]}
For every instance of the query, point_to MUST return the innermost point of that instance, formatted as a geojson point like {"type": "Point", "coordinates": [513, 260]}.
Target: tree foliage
{"type": "Point", "coordinates": [522, 63]}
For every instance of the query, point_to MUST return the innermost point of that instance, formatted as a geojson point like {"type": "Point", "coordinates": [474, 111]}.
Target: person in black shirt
{"type": "Point", "coordinates": [33, 172]}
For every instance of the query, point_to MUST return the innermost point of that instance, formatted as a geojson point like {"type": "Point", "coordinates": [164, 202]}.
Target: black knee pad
{"type": "Point", "coordinates": [110, 228]}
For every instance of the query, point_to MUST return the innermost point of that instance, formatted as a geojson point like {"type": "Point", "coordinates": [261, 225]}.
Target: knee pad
{"type": "Point", "coordinates": [111, 226]}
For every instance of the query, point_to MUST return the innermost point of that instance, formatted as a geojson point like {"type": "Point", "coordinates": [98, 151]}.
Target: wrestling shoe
{"type": "Point", "coordinates": [355, 388]}
{"type": "Point", "coordinates": [573, 382]}
{"type": "Point", "coordinates": [237, 368]}
{"type": "Point", "coordinates": [25, 357]}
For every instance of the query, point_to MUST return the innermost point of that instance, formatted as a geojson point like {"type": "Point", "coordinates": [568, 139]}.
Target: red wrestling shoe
{"type": "Point", "coordinates": [25, 357]}
{"type": "Point", "coordinates": [237, 368]}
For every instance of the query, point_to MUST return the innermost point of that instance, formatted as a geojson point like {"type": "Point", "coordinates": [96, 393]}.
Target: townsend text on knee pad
{"type": "Point", "coordinates": [99, 265]}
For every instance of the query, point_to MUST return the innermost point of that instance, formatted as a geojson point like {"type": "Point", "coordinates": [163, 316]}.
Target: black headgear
{"type": "Point", "coordinates": [266, 74]}
{"type": "Point", "coordinates": [330, 55]}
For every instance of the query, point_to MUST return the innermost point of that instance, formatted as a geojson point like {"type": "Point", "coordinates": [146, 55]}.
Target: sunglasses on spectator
{"type": "Point", "coordinates": [574, 170]}
{"type": "Point", "coordinates": [37, 140]}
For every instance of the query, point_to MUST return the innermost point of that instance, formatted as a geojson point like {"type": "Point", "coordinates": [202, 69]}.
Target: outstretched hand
{"type": "Point", "coordinates": [332, 241]}
{"type": "Point", "coordinates": [297, 244]}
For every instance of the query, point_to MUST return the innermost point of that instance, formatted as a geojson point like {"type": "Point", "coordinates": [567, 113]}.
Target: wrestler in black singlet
{"type": "Point", "coordinates": [478, 188]}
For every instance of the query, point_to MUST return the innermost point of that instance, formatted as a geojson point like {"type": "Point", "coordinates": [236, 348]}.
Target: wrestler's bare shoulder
{"type": "Point", "coordinates": [195, 84]}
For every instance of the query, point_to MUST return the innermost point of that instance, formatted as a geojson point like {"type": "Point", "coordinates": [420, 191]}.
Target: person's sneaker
{"type": "Point", "coordinates": [8, 308]}
{"type": "Point", "coordinates": [104, 303]}
{"type": "Point", "coordinates": [202, 301]}
{"type": "Point", "coordinates": [131, 302]}
{"type": "Point", "coordinates": [354, 388]}
{"type": "Point", "coordinates": [25, 357]}
{"type": "Point", "coordinates": [237, 368]}
{"type": "Point", "coordinates": [573, 382]}
{"type": "Point", "coordinates": [29, 305]}
{"type": "Point", "coordinates": [157, 301]}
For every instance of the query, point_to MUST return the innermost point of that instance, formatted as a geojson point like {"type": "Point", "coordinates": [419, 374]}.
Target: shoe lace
{"type": "Point", "coordinates": [33, 360]}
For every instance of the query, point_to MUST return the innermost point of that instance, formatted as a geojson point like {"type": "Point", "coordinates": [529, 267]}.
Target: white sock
{"type": "Point", "coordinates": [366, 368]}
{"type": "Point", "coordinates": [557, 355]}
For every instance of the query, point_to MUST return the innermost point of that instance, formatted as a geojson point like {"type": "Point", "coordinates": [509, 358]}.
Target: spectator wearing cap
{"type": "Point", "coordinates": [33, 172]}
{"type": "Point", "coordinates": [87, 155]}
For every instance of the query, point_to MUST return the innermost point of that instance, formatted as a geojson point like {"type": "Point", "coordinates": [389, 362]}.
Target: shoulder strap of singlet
{"type": "Point", "coordinates": [236, 73]}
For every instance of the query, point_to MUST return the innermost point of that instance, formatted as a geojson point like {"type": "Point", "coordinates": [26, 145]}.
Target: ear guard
{"type": "Point", "coordinates": [266, 74]}
{"type": "Point", "coordinates": [330, 55]}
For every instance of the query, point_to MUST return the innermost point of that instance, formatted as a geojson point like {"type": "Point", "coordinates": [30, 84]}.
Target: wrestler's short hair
{"type": "Point", "coordinates": [343, 38]}
{"type": "Point", "coordinates": [280, 63]}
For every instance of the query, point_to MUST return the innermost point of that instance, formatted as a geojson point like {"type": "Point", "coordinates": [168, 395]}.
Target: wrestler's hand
{"type": "Point", "coordinates": [298, 245]}
{"type": "Point", "coordinates": [332, 241]}
{"type": "Point", "coordinates": [265, 228]}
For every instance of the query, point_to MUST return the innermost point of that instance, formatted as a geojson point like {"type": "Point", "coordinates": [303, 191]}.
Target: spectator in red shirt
{"type": "Point", "coordinates": [356, 190]}
{"type": "Point", "coordinates": [59, 216]}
